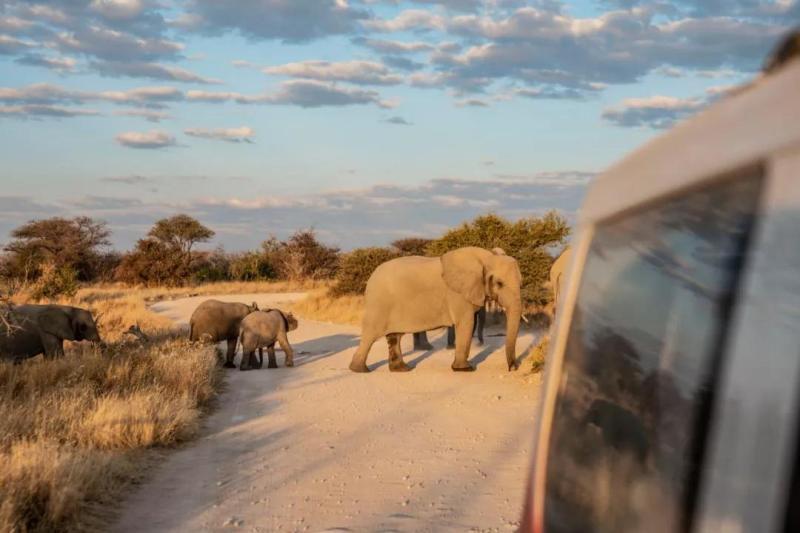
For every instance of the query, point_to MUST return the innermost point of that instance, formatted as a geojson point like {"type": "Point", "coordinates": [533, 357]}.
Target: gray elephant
{"type": "Point", "coordinates": [215, 321]}
{"type": "Point", "coordinates": [411, 294]}
{"type": "Point", "coordinates": [558, 275]}
{"type": "Point", "coordinates": [42, 329]}
{"type": "Point", "coordinates": [263, 329]}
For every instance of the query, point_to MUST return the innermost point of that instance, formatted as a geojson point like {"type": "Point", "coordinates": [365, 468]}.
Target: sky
{"type": "Point", "coordinates": [368, 120]}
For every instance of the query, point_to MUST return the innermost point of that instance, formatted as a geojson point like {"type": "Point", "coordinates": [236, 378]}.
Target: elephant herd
{"type": "Point", "coordinates": [405, 295]}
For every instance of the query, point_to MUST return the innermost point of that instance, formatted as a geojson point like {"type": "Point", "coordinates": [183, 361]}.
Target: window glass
{"type": "Point", "coordinates": [640, 361]}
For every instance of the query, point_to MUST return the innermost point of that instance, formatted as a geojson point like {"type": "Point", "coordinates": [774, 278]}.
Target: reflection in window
{"type": "Point", "coordinates": [642, 351]}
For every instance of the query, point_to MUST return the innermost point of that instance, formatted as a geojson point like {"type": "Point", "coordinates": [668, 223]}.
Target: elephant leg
{"type": "Point", "coordinates": [451, 337]}
{"type": "Point", "coordinates": [273, 362]}
{"type": "Point", "coordinates": [480, 323]}
{"type": "Point", "coordinates": [260, 363]}
{"type": "Point", "coordinates": [396, 363]}
{"type": "Point", "coordinates": [421, 341]}
{"type": "Point", "coordinates": [283, 340]}
{"type": "Point", "coordinates": [463, 328]}
{"type": "Point", "coordinates": [231, 354]}
{"type": "Point", "coordinates": [359, 361]}
{"type": "Point", "coordinates": [53, 346]}
{"type": "Point", "coordinates": [247, 359]}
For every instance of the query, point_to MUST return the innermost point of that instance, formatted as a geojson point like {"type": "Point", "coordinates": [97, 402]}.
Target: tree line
{"type": "Point", "coordinates": [53, 256]}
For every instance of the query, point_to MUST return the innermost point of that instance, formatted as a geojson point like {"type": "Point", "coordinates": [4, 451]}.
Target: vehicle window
{"type": "Point", "coordinates": [643, 350]}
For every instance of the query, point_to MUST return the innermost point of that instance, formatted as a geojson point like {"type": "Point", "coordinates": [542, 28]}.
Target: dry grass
{"type": "Point", "coordinates": [320, 305]}
{"type": "Point", "coordinates": [72, 430]}
{"type": "Point", "coordinates": [539, 353]}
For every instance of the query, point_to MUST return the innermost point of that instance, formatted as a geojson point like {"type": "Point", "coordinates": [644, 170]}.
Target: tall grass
{"type": "Point", "coordinates": [72, 430]}
{"type": "Point", "coordinates": [320, 305]}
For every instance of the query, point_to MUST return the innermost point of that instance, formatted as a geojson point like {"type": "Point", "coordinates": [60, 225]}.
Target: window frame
{"type": "Point", "coordinates": [710, 147]}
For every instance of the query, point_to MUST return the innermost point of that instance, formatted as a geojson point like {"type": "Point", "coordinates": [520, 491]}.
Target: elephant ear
{"type": "Point", "coordinates": [463, 272]}
{"type": "Point", "coordinates": [58, 323]}
{"type": "Point", "coordinates": [498, 251]}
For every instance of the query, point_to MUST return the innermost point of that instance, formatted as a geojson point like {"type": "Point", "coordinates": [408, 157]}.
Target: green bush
{"type": "Point", "coordinates": [356, 267]}
{"type": "Point", "coordinates": [55, 281]}
{"type": "Point", "coordinates": [250, 266]}
{"type": "Point", "coordinates": [526, 240]}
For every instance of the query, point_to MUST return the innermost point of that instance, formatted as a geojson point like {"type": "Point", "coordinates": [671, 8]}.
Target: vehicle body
{"type": "Point", "coordinates": [671, 390]}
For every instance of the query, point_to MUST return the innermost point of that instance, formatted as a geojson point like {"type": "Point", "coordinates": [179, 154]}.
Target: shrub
{"type": "Point", "coordinates": [356, 268]}
{"type": "Point", "coordinates": [53, 282]}
{"type": "Point", "coordinates": [302, 257]}
{"type": "Point", "coordinates": [251, 266]}
{"type": "Point", "coordinates": [412, 245]}
{"type": "Point", "coordinates": [527, 240]}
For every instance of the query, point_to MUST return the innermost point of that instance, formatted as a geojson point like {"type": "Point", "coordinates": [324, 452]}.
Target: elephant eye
{"type": "Point", "coordinates": [499, 284]}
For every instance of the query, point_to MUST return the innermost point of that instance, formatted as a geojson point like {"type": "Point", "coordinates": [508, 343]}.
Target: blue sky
{"type": "Point", "coordinates": [366, 119]}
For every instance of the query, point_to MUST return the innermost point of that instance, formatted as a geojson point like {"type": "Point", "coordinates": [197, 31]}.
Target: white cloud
{"type": "Point", "coordinates": [243, 134]}
{"type": "Point", "coordinates": [152, 139]}
{"type": "Point", "coordinates": [357, 72]}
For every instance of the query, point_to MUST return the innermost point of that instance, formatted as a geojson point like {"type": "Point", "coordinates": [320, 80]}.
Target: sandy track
{"type": "Point", "coordinates": [319, 448]}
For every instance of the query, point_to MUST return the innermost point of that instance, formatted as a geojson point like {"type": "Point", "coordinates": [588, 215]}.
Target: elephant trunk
{"type": "Point", "coordinates": [513, 315]}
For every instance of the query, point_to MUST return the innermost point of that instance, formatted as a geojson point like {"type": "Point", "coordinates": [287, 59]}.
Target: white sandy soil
{"type": "Point", "coordinates": [319, 448]}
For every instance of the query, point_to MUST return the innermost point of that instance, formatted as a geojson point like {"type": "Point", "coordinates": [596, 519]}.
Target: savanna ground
{"type": "Point", "coordinates": [310, 448]}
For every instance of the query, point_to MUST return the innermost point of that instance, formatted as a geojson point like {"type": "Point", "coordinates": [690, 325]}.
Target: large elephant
{"type": "Point", "coordinates": [215, 321]}
{"type": "Point", "coordinates": [42, 329]}
{"type": "Point", "coordinates": [411, 294]}
{"type": "Point", "coordinates": [558, 274]}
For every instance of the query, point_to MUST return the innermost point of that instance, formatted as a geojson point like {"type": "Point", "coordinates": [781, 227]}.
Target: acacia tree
{"type": "Point", "coordinates": [181, 232]}
{"type": "Point", "coordinates": [60, 244]}
{"type": "Point", "coordinates": [164, 256]}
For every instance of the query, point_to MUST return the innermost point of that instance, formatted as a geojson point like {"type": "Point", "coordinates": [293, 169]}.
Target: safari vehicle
{"type": "Point", "coordinates": [671, 392]}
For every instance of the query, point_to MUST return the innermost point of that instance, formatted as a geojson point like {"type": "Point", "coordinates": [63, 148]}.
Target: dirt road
{"type": "Point", "coordinates": [319, 448]}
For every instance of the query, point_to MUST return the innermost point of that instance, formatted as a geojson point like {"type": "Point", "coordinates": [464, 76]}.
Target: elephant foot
{"type": "Point", "coordinates": [362, 368]}
{"type": "Point", "coordinates": [451, 346]}
{"type": "Point", "coordinates": [513, 366]}
{"type": "Point", "coordinates": [272, 365]}
{"type": "Point", "coordinates": [399, 366]}
{"type": "Point", "coordinates": [289, 363]}
{"type": "Point", "coordinates": [244, 368]}
{"type": "Point", "coordinates": [468, 368]}
{"type": "Point", "coordinates": [426, 346]}
{"type": "Point", "coordinates": [228, 365]}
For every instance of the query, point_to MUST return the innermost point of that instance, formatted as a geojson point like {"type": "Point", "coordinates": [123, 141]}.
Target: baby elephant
{"type": "Point", "coordinates": [262, 329]}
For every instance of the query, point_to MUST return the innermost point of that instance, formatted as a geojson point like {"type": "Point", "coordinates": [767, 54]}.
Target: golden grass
{"type": "Point", "coordinates": [72, 430]}
{"type": "Point", "coordinates": [319, 305]}
{"type": "Point", "coordinates": [539, 353]}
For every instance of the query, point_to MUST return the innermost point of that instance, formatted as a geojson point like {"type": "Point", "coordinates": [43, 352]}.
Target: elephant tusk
{"type": "Point", "coordinates": [522, 315]}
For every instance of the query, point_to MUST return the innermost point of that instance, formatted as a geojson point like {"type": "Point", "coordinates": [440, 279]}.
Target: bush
{"type": "Point", "coordinates": [302, 257]}
{"type": "Point", "coordinates": [526, 240]}
{"type": "Point", "coordinates": [53, 282]}
{"type": "Point", "coordinates": [153, 263]}
{"type": "Point", "coordinates": [412, 245]}
{"type": "Point", "coordinates": [250, 266]}
{"type": "Point", "coordinates": [356, 267]}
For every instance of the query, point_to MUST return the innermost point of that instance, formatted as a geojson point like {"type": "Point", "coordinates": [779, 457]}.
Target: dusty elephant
{"type": "Point", "coordinates": [215, 321]}
{"type": "Point", "coordinates": [421, 337]}
{"type": "Point", "coordinates": [558, 273]}
{"type": "Point", "coordinates": [263, 329]}
{"type": "Point", "coordinates": [42, 329]}
{"type": "Point", "coordinates": [411, 294]}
